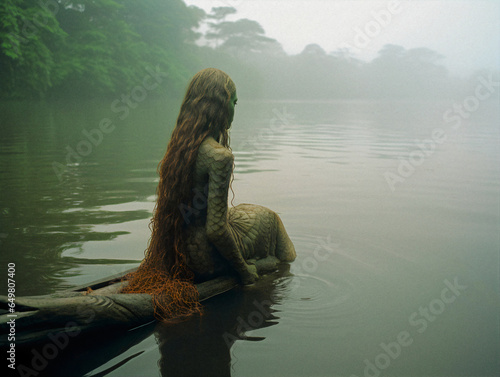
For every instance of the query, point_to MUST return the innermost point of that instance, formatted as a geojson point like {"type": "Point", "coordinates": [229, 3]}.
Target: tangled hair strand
{"type": "Point", "coordinates": [164, 272]}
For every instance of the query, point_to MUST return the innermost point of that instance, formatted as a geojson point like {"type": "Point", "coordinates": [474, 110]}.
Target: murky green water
{"type": "Point", "coordinates": [394, 213]}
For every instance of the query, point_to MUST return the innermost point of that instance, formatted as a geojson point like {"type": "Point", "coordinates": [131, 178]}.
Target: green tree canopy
{"type": "Point", "coordinates": [93, 47]}
{"type": "Point", "coordinates": [28, 36]}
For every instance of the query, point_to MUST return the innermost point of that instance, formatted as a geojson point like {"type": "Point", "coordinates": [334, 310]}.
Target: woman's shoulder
{"type": "Point", "coordinates": [210, 148]}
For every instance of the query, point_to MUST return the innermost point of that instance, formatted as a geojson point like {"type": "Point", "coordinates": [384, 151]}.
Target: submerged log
{"type": "Point", "coordinates": [77, 311]}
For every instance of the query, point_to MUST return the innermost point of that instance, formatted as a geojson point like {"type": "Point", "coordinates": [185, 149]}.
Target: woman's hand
{"type": "Point", "coordinates": [250, 275]}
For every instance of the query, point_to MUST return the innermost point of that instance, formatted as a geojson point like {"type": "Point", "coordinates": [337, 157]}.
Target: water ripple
{"type": "Point", "coordinates": [312, 301]}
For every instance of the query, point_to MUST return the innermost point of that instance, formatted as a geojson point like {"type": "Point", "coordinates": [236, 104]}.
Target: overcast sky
{"type": "Point", "coordinates": [466, 32]}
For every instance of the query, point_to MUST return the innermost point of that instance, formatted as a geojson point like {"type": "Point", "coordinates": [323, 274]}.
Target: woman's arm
{"type": "Point", "coordinates": [220, 164]}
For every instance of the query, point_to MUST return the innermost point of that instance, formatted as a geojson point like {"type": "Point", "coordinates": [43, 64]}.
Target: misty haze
{"type": "Point", "coordinates": [378, 149]}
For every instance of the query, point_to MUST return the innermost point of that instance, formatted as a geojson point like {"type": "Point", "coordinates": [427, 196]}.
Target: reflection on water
{"type": "Point", "coordinates": [202, 347]}
{"type": "Point", "coordinates": [50, 219]}
{"type": "Point", "coordinates": [369, 256]}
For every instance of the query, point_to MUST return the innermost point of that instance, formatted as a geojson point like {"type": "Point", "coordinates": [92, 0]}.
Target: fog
{"type": "Point", "coordinates": [272, 49]}
{"type": "Point", "coordinates": [354, 49]}
{"type": "Point", "coordinates": [465, 32]}
{"type": "Point", "coordinates": [370, 127]}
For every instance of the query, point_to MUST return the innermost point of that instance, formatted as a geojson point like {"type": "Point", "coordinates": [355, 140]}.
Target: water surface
{"type": "Point", "coordinates": [384, 219]}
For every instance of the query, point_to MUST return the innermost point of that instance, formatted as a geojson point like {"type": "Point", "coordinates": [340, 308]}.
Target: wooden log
{"type": "Point", "coordinates": [74, 312]}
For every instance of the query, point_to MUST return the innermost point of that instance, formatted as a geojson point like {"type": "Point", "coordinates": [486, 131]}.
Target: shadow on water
{"type": "Point", "coordinates": [63, 356]}
{"type": "Point", "coordinates": [202, 347]}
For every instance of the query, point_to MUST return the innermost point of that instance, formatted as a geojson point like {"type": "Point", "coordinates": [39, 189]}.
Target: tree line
{"type": "Point", "coordinates": [96, 48]}
{"type": "Point", "coordinates": [92, 48]}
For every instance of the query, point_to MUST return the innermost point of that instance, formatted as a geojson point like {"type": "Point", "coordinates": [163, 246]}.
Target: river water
{"type": "Point", "coordinates": [393, 207]}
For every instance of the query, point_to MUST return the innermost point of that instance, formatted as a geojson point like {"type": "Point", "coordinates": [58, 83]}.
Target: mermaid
{"type": "Point", "coordinates": [195, 235]}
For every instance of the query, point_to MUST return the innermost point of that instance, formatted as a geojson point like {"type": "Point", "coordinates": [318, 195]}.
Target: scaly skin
{"type": "Point", "coordinates": [220, 238]}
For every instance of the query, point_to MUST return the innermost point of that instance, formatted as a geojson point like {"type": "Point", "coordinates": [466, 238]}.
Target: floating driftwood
{"type": "Point", "coordinates": [80, 310]}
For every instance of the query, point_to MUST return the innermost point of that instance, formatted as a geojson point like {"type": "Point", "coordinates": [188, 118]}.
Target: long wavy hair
{"type": "Point", "coordinates": [205, 111]}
